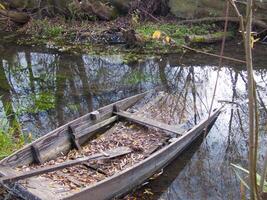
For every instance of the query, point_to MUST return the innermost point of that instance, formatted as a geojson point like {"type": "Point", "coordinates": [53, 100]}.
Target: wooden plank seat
{"type": "Point", "coordinates": [169, 129]}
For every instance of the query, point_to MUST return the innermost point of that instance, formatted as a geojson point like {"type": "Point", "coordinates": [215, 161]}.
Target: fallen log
{"type": "Point", "coordinates": [18, 17]}
{"type": "Point", "coordinates": [208, 38]}
{"type": "Point", "coordinates": [98, 9]}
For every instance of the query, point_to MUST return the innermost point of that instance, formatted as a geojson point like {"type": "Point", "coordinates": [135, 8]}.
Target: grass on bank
{"type": "Point", "coordinates": [8, 141]}
{"type": "Point", "coordinates": [62, 33]}
{"type": "Point", "coordinates": [176, 32]}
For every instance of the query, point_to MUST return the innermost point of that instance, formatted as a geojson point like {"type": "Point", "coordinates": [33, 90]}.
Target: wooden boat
{"type": "Point", "coordinates": [30, 185]}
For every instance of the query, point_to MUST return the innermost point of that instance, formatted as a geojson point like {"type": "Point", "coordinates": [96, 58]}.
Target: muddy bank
{"type": "Point", "coordinates": [113, 25]}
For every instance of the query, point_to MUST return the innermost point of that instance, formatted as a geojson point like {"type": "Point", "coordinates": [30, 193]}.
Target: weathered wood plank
{"type": "Point", "coordinates": [39, 185]}
{"type": "Point", "coordinates": [95, 168]}
{"type": "Point", "coordinates": [91, 128]}
{"type": "Point", "coordinates": [36, 154]}
{"type": "Point", "coordinates": [71, 179]}
{"type": "Point", "coordinates": [104, 155]}
{"type": "Point", "coordinates": [73, 139]}
{"type": "Point", "coordinates": [149, 122]}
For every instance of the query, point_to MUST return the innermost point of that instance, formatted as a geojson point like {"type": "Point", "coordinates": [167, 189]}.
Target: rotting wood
{"type": "Point", "coordinates": [104, 155]}
{"type": "Point", "coordinates": [36, 154]}
{"type": "Point", "coordinates": [155, 148]}
{"type": "Point", "coordinates": [208, 38]}
{"type": "Point", "coordinates": [71, 179]}
{"type": "Point", "coordinates": [73, 139]}
{"type": "Point", "coordinates": [150, 123]}
{"type": "Point", "coordinates": [92, 128]}
{"type": "Point", "coordinates": [94, 115]}
{"type": "Point", "coordinates": [95, 168]}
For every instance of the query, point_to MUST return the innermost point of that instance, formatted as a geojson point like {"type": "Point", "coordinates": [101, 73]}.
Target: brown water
{"type": "Point", "coordinates": [42, 89]}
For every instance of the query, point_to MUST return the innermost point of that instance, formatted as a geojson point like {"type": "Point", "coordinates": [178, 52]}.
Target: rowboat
{"type": "Point", "coordinates": [75, 162]}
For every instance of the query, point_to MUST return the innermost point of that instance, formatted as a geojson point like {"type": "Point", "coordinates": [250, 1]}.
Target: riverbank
{"type": "Point", "coordinates": [125, 34]}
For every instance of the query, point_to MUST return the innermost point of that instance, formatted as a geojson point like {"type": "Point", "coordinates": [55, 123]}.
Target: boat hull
{"type": "Point", "coordinates": [129, 179]}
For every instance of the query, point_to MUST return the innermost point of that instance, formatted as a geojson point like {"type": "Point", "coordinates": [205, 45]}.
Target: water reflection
{"type": "Point", "coordinates": [44, 89]}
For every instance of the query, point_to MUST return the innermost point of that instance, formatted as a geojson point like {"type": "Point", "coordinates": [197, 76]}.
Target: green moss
{"type": "Point", "coordinates": [176, 32]}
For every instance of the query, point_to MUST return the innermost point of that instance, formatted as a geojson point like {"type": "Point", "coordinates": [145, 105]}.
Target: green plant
{"type": "Point", "coordinates": [176, 32]}
{"type": "Point", "coordinates": [53, 31]}
{"type": "Point", "coordinates": [8, 142]}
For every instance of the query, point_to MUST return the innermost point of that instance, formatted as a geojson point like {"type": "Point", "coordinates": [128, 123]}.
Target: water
{"type": "Point", "coordinates": [45, 89]}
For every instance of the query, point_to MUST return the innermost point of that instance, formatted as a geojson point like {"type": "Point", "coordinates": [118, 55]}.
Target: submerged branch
{"type": "Point", "coordinates": [214, 55]}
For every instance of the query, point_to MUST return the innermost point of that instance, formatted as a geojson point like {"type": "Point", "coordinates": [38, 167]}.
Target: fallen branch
{"type": "Point", "coordinates": [208, 38]}
{"type": "Point", "coordinates": [256, 22]}
{"type": "Point", "coordinates": [214, 55]}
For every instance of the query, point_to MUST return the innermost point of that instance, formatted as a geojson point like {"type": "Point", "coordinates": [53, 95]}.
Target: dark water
{"type": "Point", "coordinates": [43, 89]}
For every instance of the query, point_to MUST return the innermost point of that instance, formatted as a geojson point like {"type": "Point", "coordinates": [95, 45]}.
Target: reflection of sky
{"type": "Point", "coordinates": [109, 79]}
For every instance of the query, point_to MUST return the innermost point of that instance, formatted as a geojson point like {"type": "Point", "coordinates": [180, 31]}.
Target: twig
{"type": "Point", "coordinates": [221, 59]}
{"type": "Point", "coordinates": [153, 17]}
{"type": "Point", "coordinates": [214, 55]}
{"type": "Point", "coordinates": [256, 22]}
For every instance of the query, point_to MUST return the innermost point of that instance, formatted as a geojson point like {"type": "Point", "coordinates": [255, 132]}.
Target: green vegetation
{"type": "Point", "coordinates": [44, 101]}
{"type": "Point", "coordinates": [176, 32]}
{"type": "Point", "coordinates": [70, 36]}
{"type": "Point", "coordinates": [10, 141]}
{"type": "Point", "coordinates": [136, 77]}
{"type": "Point", "coordinates": [46, 29]}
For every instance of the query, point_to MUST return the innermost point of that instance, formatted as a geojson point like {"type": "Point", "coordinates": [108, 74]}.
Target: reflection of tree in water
{"type": "Point", "coordinates": [208, 175]}
{"type": "Point", "coordinates": [6, 97]}
{"type": "Point", "coordinates": [6, 92]}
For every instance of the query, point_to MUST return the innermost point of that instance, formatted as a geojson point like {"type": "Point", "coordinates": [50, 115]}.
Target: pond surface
{"type": "Point", "coordinates": [43, 89]}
